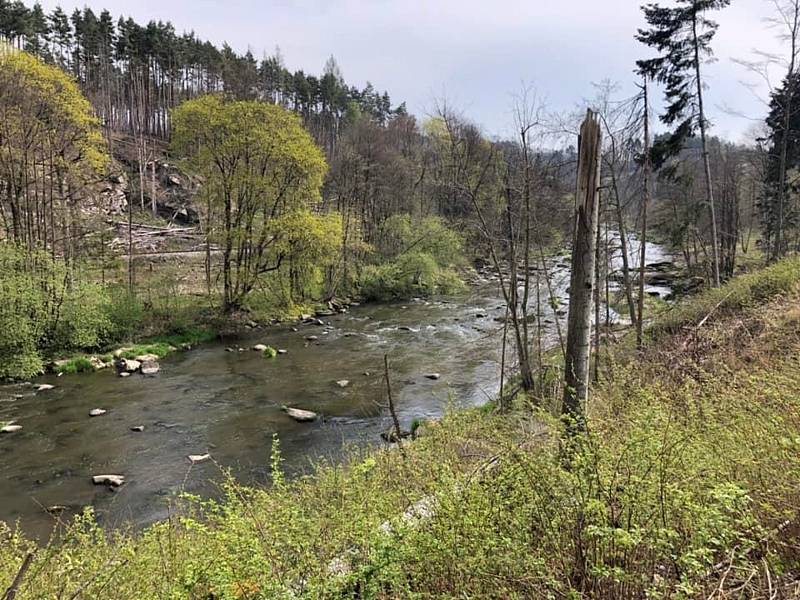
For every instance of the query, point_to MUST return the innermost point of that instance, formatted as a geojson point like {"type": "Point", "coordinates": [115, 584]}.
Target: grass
{"type": "Point", "coordinates": [164, 345]}
{"type": "Point", "coordinates": [687, 485]}
{"type": "Point", "coordinates": [81, 364]}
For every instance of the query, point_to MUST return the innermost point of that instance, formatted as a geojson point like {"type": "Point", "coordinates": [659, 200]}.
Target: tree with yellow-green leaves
{"type": "Point", "coordinates": [51, 148]}
{"type": "Point", "coordinates": [259, 166]}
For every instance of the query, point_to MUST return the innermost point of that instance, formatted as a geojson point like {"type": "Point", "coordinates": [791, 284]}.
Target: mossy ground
{"type": "Point", "coordinates": [687, 485]}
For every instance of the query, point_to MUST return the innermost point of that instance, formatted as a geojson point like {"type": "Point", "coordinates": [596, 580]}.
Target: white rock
{"type": "Point", "coordinates": [198, 458]}
{"type": "Point", "coordinates": [131, 366]}
{"type": "Point", "coordinates": [300, 415]}
{"type": "Point", "coordinates": [138, 428]}
{"type": "Point", "coordinates": [145, 358]}
{"type": "Point", "coordinates": [433, 376]}
{"type": "Point", "coordinates": [97, 412]}
{"type": "Point", "coordinates": [45, 387]}
{"type": "Point", "coordinates": [283, 351]}
{"type": "Point", "coordinates": [11, 428]}
{"type": "Point", "coordinates": [124, 374]}
{"type": "Point", "coordinates": [260, 348]}
{"type": "Point", "coordinates": [343, 383]}
{"type": "Point", "coordinates": [150, 368]}
{"type": "Point", "coordinates": [112, 480]}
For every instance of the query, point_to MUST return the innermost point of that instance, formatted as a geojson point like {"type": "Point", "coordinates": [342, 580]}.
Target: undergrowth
{"type": "Point", "coordinates": [687, 485]}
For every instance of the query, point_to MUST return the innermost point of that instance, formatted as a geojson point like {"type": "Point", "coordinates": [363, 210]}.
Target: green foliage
{"type": "Point", "coordinates": [80, 364]}
{"type": "Point", "coordinates": [421, 257]}
{"type": "Point", "coordinates": [262, 174]}
{"type": "Point", "coordinates": [270, 352]}
{"type": "Point", "coordinates": [42, 312]}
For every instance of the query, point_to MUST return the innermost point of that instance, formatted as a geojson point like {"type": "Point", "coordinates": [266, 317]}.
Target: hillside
{"type": "Point", "coordinates": [684, 487]}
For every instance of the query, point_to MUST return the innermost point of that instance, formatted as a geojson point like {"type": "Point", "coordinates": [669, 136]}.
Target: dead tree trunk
{"type": "Point", "coordinates": [579, 328]}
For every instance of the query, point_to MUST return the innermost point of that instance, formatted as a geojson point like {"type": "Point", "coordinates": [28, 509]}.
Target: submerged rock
{"type": "Point", "coordinates": [111, 480]}
{"type": "Point", "coordinates": [300, 415]}
{"type": "Point", "coordinates": [150, 368]}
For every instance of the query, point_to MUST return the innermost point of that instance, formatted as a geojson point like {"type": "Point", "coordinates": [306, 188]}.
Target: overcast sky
{"type": "Point", "coordinates": [475, 52]}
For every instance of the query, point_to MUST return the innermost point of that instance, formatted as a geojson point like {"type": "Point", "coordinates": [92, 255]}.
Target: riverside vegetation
{"type": "Point", "coordinates": [684, 486]}
{"type": "Point", "coordinates": [157, 192]}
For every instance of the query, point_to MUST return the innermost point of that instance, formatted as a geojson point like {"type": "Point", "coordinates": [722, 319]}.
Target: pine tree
{"type": "Point", "coordinates": [682, 36]}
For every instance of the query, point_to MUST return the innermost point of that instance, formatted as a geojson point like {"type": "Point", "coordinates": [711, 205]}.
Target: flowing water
{"type": "Point", "coordinates": [229, 405]}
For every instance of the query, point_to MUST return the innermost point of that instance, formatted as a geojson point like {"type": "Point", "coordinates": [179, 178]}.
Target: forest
{"type": "Point", "coordinates": [629, 278]}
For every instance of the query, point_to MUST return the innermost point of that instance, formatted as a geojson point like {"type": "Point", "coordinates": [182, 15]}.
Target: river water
{"type": "Point", "coordinates": [229, 405]}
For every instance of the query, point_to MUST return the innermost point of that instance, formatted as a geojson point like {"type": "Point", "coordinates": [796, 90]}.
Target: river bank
{"type": "Point", "coordinates": [695, 431]}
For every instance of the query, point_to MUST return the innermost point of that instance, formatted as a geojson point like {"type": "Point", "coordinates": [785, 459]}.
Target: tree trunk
{"type": "Point", "coordinates": [576, 368]}
{"type": "Point", "coordinates": [706, 162]}
{"type": "Point", "coordinates": [643, 235]}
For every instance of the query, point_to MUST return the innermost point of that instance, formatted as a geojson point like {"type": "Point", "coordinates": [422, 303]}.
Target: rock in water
{"type": "Point", "coordinates": [97, 412]}
{"type": "Point", "coordinates": [138, 428]}
{"type": "Point", "coordinates": [311, 338]}
{"type": "Point", "coordinates": [300, 415]}
{"type": "Point", "coordinates": [283, 351]}
{"type": "Point", "coordinates": [45, 387]}
{"type": "Point", "coordinates": [150, 368]}
{"type": "Point", "coordinates": [260, 347]}
{"type": "Point", "coordinates": [112, 480]}
{"type": "Point", "coordinates": [128, 365]}
{"type": "Point", "coordinates": [124, 374]}
{"type": "Point", "coordinates": [198, 458]}
{"type": "Point", "coordinates": [10, 428]}
{"type": "Point", "coordinates": [433, 376]}
{"type": "Point", "coordinates": [343, 383]}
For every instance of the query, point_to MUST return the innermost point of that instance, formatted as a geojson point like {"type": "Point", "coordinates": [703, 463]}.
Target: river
{"type": "Point", "coordinates": [229, 405]}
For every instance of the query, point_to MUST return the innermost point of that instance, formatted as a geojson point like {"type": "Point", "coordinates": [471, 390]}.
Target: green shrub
{"type": "Point", "coordinates": [270, 352]}
{"type": "Point", "coordinates": [76, 365]}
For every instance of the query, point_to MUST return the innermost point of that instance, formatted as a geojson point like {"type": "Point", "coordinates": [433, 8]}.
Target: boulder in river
{"type": "Point", "coordinates": [150, 368]}
{"type": "Point", "coordinates": [45, 387]}
{"type": "Point", "coordinates": [433, 376]}
{"type": "Point", "coordinates": [198, 458]}
{"type": "Point", "coordinates": [138, 428]}
{"type": "Point", "coordinates": [282, 351]}
{"type": "Point", "coordinates": [111, 480]}
{"type": "Point", "coordinates": [10, 428]}
{"type": "Point", "coordinates": [260, 347]}
{"type": "Point", "coordinates": [97, 412]}
{"type": "Point", "coordinates": [300, 415]}
{"type": "Point", "coordinates": [129, 365]}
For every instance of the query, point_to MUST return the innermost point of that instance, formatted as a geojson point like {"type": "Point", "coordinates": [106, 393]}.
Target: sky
{"type": "Point", "coordinates": [478, 54]}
